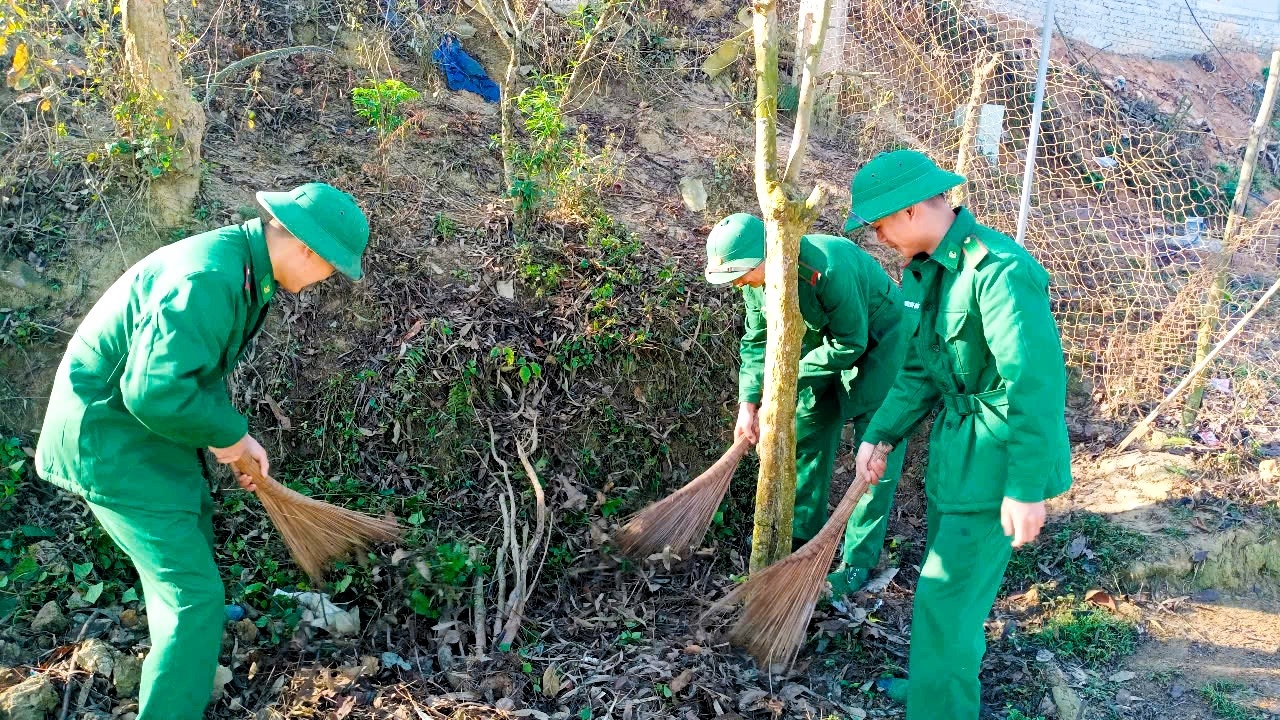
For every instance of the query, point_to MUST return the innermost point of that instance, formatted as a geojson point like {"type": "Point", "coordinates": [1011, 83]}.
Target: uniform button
{"type": "Point", "coordinates": [936, 348]}
{"type": "Point", "coordinates": [953, 253]}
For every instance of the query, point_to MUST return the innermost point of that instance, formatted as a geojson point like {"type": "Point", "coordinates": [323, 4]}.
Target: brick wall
{"type": "Point", "coordinates": [1158, 28]}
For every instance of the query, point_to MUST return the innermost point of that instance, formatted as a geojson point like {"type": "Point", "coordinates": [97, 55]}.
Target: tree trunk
{"type": "Point", "coordinates": [786, 220]}
{"type": "Point", "coordinates": [154, 71]}
{"type": "Point", "coordinates": [982, 72]}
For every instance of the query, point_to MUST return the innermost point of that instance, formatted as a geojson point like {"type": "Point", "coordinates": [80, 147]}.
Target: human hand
{"type": "Point", "coordinates": [246, 447]}
{"type": "Point", "coordinates": [1021, 521]}
{"type": "Point", "coordinates": [872, 461]}
{"type": "Point", "coordinates": [748, 423]}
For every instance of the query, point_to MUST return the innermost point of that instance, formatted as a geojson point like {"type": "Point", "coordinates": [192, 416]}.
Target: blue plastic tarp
{"type": "Point", "coordinates": [462, 72]}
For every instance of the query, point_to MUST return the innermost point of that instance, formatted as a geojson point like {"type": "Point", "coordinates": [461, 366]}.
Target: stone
{"type": "Point", "coordinates": [693, 193]}
{"type": "Point", "coordinates": [32, 699]}
{"type": "Point", "coordinates": [97, 657]}
{"type": "Point", "coordinates": [1269, 469]}
{"type": "Point", "coordinates": [220, 679]}
{"type": "Point", "coordinates": [246, 632]}
{"type": "Point", "coordinates": [127, 676]}
{"type": "Point", "coordinates": [49, 619]}
{"type": "Point", "coordinates": [130, 619]}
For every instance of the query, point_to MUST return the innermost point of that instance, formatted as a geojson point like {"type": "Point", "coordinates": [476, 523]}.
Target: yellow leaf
{"type": "Point", "coordinates": [21, 13]}
{"type": "Point", "coordinates": [251, 124]}
{"type": "Point", "coordinates": [44, 106]}
{"type": "Point", "coordinates": [91, 157]}
{"type": "Point", "coordinates": [723, 58]}
{"type": "Point", "coordinates": [20, 60]}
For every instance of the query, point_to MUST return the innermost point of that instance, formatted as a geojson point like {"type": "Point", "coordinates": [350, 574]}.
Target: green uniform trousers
{"type": "Point", "coordinates": [819, 427]}
{"type": "Point", "coordinates": [965, 558]}
{"type": "Point", "coordinates": [173, 552]}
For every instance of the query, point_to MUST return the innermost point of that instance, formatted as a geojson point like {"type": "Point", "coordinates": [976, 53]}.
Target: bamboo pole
{"type": "Point", "coordinates": [1212, 307]}
{"type": "Point", "coordinates": [1143, 426]}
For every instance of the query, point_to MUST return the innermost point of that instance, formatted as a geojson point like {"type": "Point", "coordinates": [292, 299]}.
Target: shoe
{"type": "Point", "coordinates": [847, 581]}
{"type": "Point", "coordinates": [893, 688]}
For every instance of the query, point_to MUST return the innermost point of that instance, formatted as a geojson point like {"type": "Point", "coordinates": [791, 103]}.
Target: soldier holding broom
{"type": "Point", "coordinates": [140, 393]}
{"type": "Point", "coordinates": [984, 345]}
{"type": "Point", "coordinates": [853, 346]}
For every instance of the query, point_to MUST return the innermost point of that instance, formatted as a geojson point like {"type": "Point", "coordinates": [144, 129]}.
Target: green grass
{"type": "Point", "coordinates": [1088, 635]}
{"type": "Point", "coordinates": [1106, 552]}
{"type": "Point", "coordinates": [1219, 696]}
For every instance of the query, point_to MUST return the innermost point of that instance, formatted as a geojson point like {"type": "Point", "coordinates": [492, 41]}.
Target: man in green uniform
{"type": "Point", "coordinates": [140, 392]}
{"type": "Point", "coordinates": [852, 348]}
{"type": "Point", "coordinates": [983, 345]}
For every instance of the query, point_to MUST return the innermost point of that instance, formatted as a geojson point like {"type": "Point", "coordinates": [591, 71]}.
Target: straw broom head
{"type": "Point", "coordinates": [316, 532]}
{"type": "Point", "coordinates": [778, 602]}
{"type": "Point", "coordinates": [680, 520]}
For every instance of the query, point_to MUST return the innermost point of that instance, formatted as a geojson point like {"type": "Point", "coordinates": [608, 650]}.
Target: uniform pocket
{"type": "Point", "coordinates": [961, 331]}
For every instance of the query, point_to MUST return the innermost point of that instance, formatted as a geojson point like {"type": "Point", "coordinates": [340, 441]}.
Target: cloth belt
{"type": "Point", "coordinates": [969, 404]}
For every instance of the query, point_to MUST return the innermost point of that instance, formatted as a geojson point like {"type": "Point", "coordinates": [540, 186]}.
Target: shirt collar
{"type": "Point", "coordinates": [259, 268]}
{"type": "Point", "coordinates": [948, 252]}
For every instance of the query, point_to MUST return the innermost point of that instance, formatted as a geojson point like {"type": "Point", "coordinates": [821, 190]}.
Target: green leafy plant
{"type": "Point", "coordinates": [442, 576]}
{"type": "Point", "coordinates": [1221, 696]}
{"type": "Point", "coordinates": [13, 463]}
{"type": "Point", "coordinates": [146, 135]}
{"type": "Point", "coordinates": [380, 103]}
{"type": "Point", "coordinates": [1089, 635]}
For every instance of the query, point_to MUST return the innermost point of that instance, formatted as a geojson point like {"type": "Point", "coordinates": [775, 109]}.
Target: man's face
{"type": "Point", "coordinates": [897, 232]}
{"type": "Point", "coordinates": [754, 278]}
{"type": "Point", "coordinates": [297, 267]}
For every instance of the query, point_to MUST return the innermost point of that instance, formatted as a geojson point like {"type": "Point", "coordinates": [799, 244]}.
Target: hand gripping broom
{"type": "Point", "coordinates": [315, 531]}
{"type": "Point", "coordinates": [778, 602]}
{"type": "Point", "coordinates": [680, 520]}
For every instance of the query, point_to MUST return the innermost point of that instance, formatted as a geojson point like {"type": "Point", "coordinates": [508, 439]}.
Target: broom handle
{"type": "Point", "coordinates": [246, 465]}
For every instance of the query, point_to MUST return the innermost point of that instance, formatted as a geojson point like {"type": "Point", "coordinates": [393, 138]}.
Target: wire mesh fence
{"type": "Point", "coordinates": [1133, 181]}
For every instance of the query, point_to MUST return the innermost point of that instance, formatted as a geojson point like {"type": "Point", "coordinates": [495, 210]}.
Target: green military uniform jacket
{"type": "Point", "coordinates": [984, 343]}
{"type": "Point", "coordinates": [140, 390]}
{"type": "Point", "coordinates": [852, 317]}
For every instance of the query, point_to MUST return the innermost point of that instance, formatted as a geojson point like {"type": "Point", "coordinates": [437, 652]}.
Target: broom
{"type": "Point", "coordinates": [315, 531]}
{"type": "Point", "coordinates": [778, 602]}
{"type": "Point", "coordinates": [680, 520]}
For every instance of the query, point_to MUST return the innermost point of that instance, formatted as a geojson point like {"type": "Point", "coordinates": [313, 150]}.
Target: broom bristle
{"type": "Point", "coordinates": [680, 520]}
{"type": "Point", "coordinates": [316, 532]}
{"type": "Point", "coordinates": [778, 602]}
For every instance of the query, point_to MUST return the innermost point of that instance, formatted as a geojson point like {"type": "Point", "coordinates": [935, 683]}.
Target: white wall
{"type": "Point", "coordinates": [1158, 28]}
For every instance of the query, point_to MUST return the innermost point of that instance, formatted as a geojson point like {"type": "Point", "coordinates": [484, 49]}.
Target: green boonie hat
{"type": "Point", "coordinates": [324, 219]}
{"type": "Point", "coordinates": [893, 181]}
{"type": "Point", "coordinates": [735, 246]}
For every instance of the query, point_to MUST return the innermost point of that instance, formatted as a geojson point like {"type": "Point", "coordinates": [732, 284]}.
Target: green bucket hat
{"type": "Point", "coordinates": [324, 219]}
{"type": "Point", "coordinates": [893, 181]}
{"type": "Point", "coordinates": [735, 246]}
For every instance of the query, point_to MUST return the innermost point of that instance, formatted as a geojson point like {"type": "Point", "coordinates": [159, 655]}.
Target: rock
{"type": "Point", "coordinates": [220, 679]}
{"type": "Point", "coordinates": [693, 193]}
{"type": "Point", "coordinates": [651, 142]}
{"type": "Point", "coordinates": [130, 619]}
{"type": "Point", "coordinates": [51, 559]}
{"type": "Point", "coordinates": [49, 619]}
{"type": "Point", "coordinates": [10, 677]}
{"type": "Point", "coordinates": [1269, 469]}
{"type": "Point", "coordinates": [458, 680]}
{"type": "Point", "coordinates": [245, 631]}
{"type": "Point", "coordinates": [1065, 699]}
{"type": "Point", "coordinates": [97, 657]}
{"type": "Point", "coordinates": [32, 699]}
{"type": "Point", "coordinates": [127, 676]}
{"type": "Point", "coordinates": [464, 29]}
